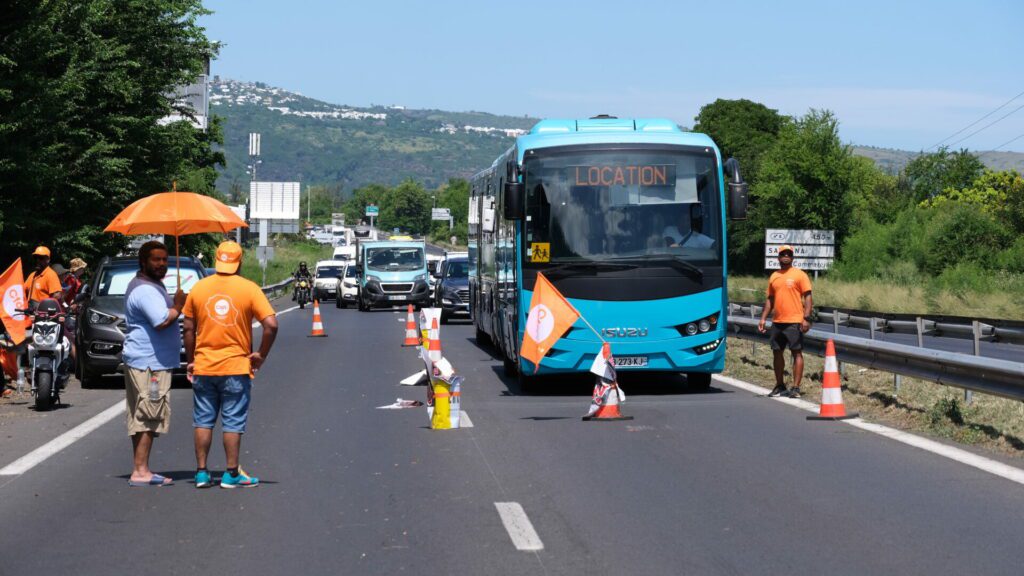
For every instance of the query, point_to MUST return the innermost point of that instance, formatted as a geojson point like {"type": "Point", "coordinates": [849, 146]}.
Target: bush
{"type": "Point", "coordinates": [961, 234]}
{"type": "Point", "coordinates": [965, 278]}
{"type": "Point", "coordinates": [866, 252]}
{"type": "Point", "coordinates": [1012, 259]}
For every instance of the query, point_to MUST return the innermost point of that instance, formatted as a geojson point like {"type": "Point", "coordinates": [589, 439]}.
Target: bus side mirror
{"type": "Point", "coordinates": [737, 190]}
{"type": "Point", "coordinates": [515, 201]}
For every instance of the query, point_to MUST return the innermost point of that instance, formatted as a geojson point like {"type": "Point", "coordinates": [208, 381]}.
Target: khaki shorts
{"type": "Point", "coordinates": [148, 402]}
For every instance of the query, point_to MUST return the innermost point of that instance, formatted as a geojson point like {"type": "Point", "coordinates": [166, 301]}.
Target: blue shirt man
{"type": "Point", "coordinates": [147, 306]}
{"type": "Point", "coordinates": [152, 348]}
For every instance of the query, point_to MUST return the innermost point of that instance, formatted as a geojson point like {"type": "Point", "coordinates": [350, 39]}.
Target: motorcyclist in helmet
{"type": "Point", "coordinates": [302, 273]}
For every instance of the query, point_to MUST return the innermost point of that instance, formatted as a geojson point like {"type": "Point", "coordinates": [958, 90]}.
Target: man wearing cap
{"type": "Point", "coordinates": [789, 298]}
{"type": "Point", "coordinates": [218, 342]}
{"type": "Point", "coordinates": [43, 282]}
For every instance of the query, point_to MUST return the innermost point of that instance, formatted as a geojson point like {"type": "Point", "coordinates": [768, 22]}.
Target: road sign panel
{"type": "Point", "coordinates": [440, 214]}
{"type": "Point", "coordinates": [803, 251]}
{"type": "Point", "coordinates": [372, 210]}
{"type": "Point", "coordinates": [784, 236]}
{"type": "Point", "coordinates": [772, 263]}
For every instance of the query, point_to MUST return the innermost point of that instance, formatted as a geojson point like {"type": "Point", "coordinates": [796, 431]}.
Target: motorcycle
{"type": "Point", "coordinates": [302, 292]}
{"type": "Point", "coordinates": [49, 353]}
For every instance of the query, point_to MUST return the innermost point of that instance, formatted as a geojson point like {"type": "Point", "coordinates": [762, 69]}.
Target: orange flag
{"type": "Point", "coordinates": [12, 297]}
{"type": "Point", "coordinates": [550, 316]}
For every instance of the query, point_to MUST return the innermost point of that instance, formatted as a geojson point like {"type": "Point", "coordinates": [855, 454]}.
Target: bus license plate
{"type": "Point", "coordinates": [629, 361]}
{"type": "Point", "coordinates": [398, 297]}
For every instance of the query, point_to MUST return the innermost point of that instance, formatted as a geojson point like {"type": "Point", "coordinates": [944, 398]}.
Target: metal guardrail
{"type": "Point", "coordinates": [975, 373]}
{"type": "Point", "coordinates": [280, 286]}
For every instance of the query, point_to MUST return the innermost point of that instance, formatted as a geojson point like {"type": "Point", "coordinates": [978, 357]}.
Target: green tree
{"type": "Point", "coordinates": [406, 207]}
{"type": "Point", "coordinates": [742, 129]}
{"type": "Point", "coordinates": [83, 84]}
{"type": "Point", "coordinates": [930, 174]}
{"type": "Point", "coordinates": [453, 195]}
{"type": "Point", "coordinates": [1000, 194]}
{"type": "Point", "coordinates": [809, 179]}
{"type": "Point", "coordinates": [355, 207]}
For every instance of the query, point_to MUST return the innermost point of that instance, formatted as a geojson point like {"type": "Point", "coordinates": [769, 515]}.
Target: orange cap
{"type": "Point", "coordinates": [42, 251]}
{"type": "Point", "coordinates": [786, 247]}
{"type": "Point", "coordinates": [229, 257]}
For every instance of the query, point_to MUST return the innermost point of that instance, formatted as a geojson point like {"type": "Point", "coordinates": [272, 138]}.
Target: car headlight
{"type": "Point", "coordinates": [350, 284]}
{"type": "Point", "coordinates": [96, 317]}
{"type": "Point", "coordinates": [371, 278]}
{"type": "Point", "coordinates": [420, 277]}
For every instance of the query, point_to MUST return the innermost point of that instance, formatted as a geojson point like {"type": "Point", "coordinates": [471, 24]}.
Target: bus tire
{"type": "Point", "coordinates": [510, 367]}
{"type": "Point", "coordinates": [698, 381]}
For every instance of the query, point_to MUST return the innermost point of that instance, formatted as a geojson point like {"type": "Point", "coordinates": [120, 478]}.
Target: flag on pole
{"type": "Point", "coordinates": [550, 316]}
{"type": "Point", "coordinates": [12, 289]}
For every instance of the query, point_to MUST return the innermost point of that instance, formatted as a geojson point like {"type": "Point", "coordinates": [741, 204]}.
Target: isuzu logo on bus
{"type": "Point", "coordinates": [624, 332]}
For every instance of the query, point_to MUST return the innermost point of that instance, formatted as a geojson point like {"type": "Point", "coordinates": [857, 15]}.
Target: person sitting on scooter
{"type": "Point", "coordinates": [43, 282]}
{"type": "Point", "coordinates": [302, 273]}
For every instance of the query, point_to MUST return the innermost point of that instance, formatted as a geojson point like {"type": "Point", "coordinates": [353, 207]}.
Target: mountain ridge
{"type": "Point", "coordinates": [312, 141]}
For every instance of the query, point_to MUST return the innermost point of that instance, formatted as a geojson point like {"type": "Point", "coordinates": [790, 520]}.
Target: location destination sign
{"type": "Point", "coordinates": [624, 175]}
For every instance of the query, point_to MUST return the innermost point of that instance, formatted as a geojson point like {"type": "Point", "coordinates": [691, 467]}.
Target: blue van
{"type": "Point", "coordinates": [392, 273]}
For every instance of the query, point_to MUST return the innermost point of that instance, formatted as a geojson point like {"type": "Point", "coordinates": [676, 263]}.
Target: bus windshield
{"type": "Point", "coordinates": [635, 205]}
{"type": "Point", "coordinates": [394, 259]}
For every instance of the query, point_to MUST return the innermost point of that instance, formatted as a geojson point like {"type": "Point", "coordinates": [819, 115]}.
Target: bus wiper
{"type": "Point", "coordinates": [565, 266]}
{"type": "Point", "coordinates": [676, 261]}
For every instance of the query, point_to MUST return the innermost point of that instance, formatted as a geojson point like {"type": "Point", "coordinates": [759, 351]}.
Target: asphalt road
{"type": "Point", "coordinates": [723, 482]}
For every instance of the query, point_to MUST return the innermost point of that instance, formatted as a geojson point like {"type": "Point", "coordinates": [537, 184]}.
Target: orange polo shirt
{"type": "Point", "coordinates": [39, 287]}
{"type": "Point", "coordinates": [223, 307]}
{"type": "Point", "coordinates": [786, 290]}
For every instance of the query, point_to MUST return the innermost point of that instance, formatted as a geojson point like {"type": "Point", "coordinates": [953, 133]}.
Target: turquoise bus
{"type": "Point", "coordinates": [626, 217]}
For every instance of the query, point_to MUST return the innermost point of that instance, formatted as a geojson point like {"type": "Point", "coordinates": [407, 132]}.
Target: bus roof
{"type": "Point", "coordinates": [607, 130]}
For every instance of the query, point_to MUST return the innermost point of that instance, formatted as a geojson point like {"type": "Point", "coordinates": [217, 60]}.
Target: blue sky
{"type": "Point", "coordinates": [897, 74]}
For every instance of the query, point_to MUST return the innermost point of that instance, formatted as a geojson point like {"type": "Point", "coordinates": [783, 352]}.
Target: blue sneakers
{"type": "Point", "coordinates": [241, 480]}
{"type": "Point", "coordinates": [203, 479]}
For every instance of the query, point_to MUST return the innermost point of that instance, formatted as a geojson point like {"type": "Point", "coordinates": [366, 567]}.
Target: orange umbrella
{"type": "Point", "coordinates": [176, 214]}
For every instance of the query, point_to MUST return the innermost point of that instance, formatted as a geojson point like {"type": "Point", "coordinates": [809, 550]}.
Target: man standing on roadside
{"type": "Point", "coordinates": [789, 297]}
{"type": "Point", "coordinates": [152, 348]}
{"type": "Point", "coordinates": [218, 341]}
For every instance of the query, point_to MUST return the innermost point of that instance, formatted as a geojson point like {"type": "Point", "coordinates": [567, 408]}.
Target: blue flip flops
{"type": "Point", "coordinates": [156, 480]}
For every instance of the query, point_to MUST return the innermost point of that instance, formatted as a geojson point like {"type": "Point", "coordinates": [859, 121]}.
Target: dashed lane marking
{"type": "Point", "coordinates": [464, 421]}
{"type": "Point", "coordinates": [962, 456]}
{"type": "Point", "coordinates": [518, 526]}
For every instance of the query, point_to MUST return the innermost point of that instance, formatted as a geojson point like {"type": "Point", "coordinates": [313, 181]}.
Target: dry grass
{"type": "Point", "coordinates": [922, 407]}
{"type": "Point", "coordinates": [881, 296]}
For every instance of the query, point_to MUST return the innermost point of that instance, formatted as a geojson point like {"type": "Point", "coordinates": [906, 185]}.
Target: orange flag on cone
{"type": "Point", "coordinates": [12, 289]}
{"type": "Point", "coordinates": [550, 316]}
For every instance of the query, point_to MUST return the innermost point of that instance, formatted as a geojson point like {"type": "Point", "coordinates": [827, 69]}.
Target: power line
{"type": "Point", "coordinates": [960, 131]}
{"type": "Point", "coordinates": [987, 125]}
{"type": "Point", "coordinates": [1008, 142]}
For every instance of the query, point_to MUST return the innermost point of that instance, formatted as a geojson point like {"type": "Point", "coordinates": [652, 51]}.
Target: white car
{"type": "Point", "coordinates": [325, 279]}
{"type": "Point", "coordinates": [349, 290]}
{"type": "Point", "coordinates": [345, 253]}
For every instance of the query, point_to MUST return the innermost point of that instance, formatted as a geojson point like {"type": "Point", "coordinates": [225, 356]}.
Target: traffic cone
{"type": "Point", "coordinates": [411, 337]}
{"type": "Point", "coordinates": [831, 390]}
{"type": "Point", "coordinates": [318, 325]}
{"type": "Point", "coordinates": [434, 343]}
{"type": "Point", "coordinates": [608, 395]}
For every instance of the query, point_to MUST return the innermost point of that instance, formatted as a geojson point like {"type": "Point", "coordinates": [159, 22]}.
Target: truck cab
{"type": "Point", "coordinates": [392, 273]}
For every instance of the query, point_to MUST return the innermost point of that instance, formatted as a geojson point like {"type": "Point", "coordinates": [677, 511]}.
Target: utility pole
{"type": "Point", "coordinates": [309, 203]}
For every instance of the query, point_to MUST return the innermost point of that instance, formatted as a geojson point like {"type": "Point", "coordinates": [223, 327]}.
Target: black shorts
{"type": "Point", "coordinates": [784, 336]}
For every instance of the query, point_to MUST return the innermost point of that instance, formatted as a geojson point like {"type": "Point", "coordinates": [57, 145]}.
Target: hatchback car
{"type": "Point", "coordinates": [348, 287]}
{"type": "Point", "coordinates": [101, 327]}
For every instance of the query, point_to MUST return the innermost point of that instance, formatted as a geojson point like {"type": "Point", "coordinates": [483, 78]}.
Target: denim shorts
{"type": "Point", "coordinates": [227, 396]}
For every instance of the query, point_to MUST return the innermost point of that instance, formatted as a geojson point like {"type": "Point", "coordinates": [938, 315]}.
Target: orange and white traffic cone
{"type": "Point", "coordinates": [605, 404]}
{"type": "Point", "coordinates": [832, 390]}
{"type": "Point", "coordinates": [434, 342]}
{"type": "Point", "coordinates": [318, 325]}
{"type": "Point", "coordinates": [411, 336]}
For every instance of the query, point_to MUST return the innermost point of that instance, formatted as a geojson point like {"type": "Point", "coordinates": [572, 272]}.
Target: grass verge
{"type": "Point", "coordinates": [883, 296]}
{"type": "Point", "coordinates": [287, 255]}
{"type": "Point", "coordinates": [922, 407]}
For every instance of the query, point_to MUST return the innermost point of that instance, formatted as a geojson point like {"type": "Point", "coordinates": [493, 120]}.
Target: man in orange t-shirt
{"type": "Point", "coordinates": [789, 297]}
{"type": "Point", "coordinates": [43, 282]}
{"type": "Point", "coordinates": [218, 342]}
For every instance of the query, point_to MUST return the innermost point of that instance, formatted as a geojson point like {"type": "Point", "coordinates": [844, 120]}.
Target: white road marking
{"type": "Point", "coordinates": [957, 454]}
{"type": "Point", "coordinates": [30, 460]}
{"type": "Point", "coordinates": [519, 528]}
{"type": "Point", "coordinates": [285, 311]}
{"type": "Point", "coordinates": [464, 421]}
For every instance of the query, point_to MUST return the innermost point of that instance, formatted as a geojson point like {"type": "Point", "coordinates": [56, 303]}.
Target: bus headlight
{"type": "Point", "coordinates": [690, 329]}
{"type": "Point", "coordinates": [706, 324]}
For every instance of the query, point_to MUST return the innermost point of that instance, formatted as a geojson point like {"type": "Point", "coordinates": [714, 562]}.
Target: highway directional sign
{"type": "Point", "coordinates": [372, 210]}
{"type": "Point", "coordinates": [440, 214]}
{"type": "Point", "coordinates": [812, 249]}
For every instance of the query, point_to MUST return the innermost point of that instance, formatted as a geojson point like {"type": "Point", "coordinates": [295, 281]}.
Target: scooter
{"type": "Point", "coordinates": [302, 292]}
{"type": "Point", "coordinates": [49, 354]}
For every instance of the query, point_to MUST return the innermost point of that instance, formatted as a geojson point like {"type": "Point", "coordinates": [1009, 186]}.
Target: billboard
{"type": "Point", "coordinates": [274, 200]}
{"type": "Point", "coordinates": [191, 102]}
